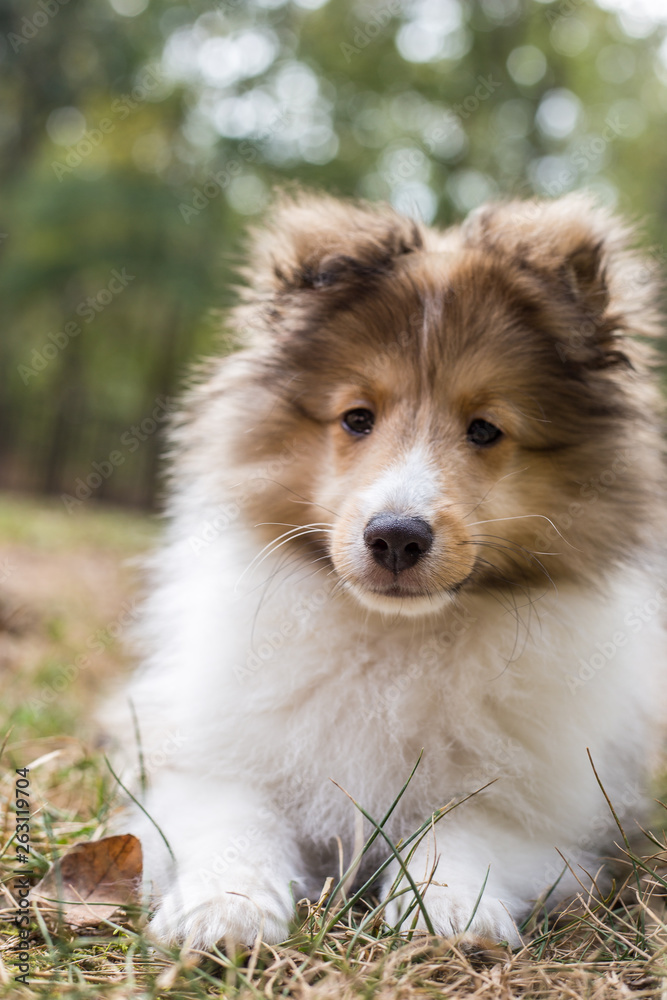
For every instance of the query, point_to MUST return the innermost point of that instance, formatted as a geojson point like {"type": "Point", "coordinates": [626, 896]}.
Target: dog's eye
{"type": "Point", "coordinates": [358, 421]}
{"type": "Point", "coordinates": [482, 433]}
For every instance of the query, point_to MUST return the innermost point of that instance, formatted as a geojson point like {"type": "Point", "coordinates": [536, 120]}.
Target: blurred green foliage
{"type": "Point", "coordinates": [138, 138]}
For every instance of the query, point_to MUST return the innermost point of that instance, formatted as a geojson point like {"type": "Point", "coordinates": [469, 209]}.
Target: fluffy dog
{"type": "Point", "coordinates": [420, 508]}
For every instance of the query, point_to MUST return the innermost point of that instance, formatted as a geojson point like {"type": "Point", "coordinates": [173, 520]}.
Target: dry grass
{"type": "Point", "coordinates": [63, 580]}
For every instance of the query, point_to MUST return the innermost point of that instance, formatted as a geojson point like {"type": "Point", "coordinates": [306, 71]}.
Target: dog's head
{"type": "Point", "coordinates": [461, 409]}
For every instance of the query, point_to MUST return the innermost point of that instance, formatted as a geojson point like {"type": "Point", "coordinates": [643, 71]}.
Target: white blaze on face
{"type": "Point", "coordinates": [410, 486]}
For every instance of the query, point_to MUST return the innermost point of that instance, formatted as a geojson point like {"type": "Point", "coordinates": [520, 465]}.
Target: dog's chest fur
{"type": "Point", "coordinates": [309, 689]}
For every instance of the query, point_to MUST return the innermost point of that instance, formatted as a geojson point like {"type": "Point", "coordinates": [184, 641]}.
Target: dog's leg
{"type": "Point", "coordinates": [450, 871]}
{"type": "Point", "coordinates": [230, 871]}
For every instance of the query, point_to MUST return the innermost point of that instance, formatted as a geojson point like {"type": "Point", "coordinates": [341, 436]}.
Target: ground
{"type": "Point", "coordinates": [68, 586]}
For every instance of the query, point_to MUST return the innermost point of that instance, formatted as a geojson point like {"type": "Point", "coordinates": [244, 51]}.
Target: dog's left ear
{"type": "Point", "coordinates": [318, 242]}
{"type": "Point", "coordinates": [585, 255]}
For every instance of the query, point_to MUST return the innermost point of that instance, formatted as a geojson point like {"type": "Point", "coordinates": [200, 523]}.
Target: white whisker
{"type": "Point", "coordinates": [285, 524]}
{"type": "Point", "coordinates": [299, 531]}
{"type": "Point", "coordinates": [518, 517]}
{"type": "Point", "coordinates": [492, 487]}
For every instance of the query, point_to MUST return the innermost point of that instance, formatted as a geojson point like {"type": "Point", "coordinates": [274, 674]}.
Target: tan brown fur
{"type": "Point", "coordinates": [532, 552]}
{"type": "Point", "coordinates": [531, 314]}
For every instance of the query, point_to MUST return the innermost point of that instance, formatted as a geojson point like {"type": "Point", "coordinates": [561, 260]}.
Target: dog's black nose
{"type": "Point", "coordinates": [397, 542]}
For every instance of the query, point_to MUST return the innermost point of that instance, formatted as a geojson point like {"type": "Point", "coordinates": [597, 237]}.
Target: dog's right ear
{"type": "Point", "coordinates": [318, 242]}
{"type": "Point", "coordinates": [604, 291]}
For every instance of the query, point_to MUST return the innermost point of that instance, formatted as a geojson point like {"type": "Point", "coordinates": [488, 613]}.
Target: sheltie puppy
{"type": "Point", "coordinates": [419, 511]}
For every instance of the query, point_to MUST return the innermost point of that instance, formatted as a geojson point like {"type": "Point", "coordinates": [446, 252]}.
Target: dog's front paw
{"type": "Point", "coordinates": [451, 909]}
{"type": "Point", "coordinates": [201, 917]}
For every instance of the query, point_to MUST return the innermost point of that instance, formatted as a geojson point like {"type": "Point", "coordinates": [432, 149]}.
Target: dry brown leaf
{"type": "Point", "coordinates": [91, 883]}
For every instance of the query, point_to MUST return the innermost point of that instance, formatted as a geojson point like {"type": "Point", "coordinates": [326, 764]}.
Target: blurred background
{"type": "Point", "coordinates": [139, 137]}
